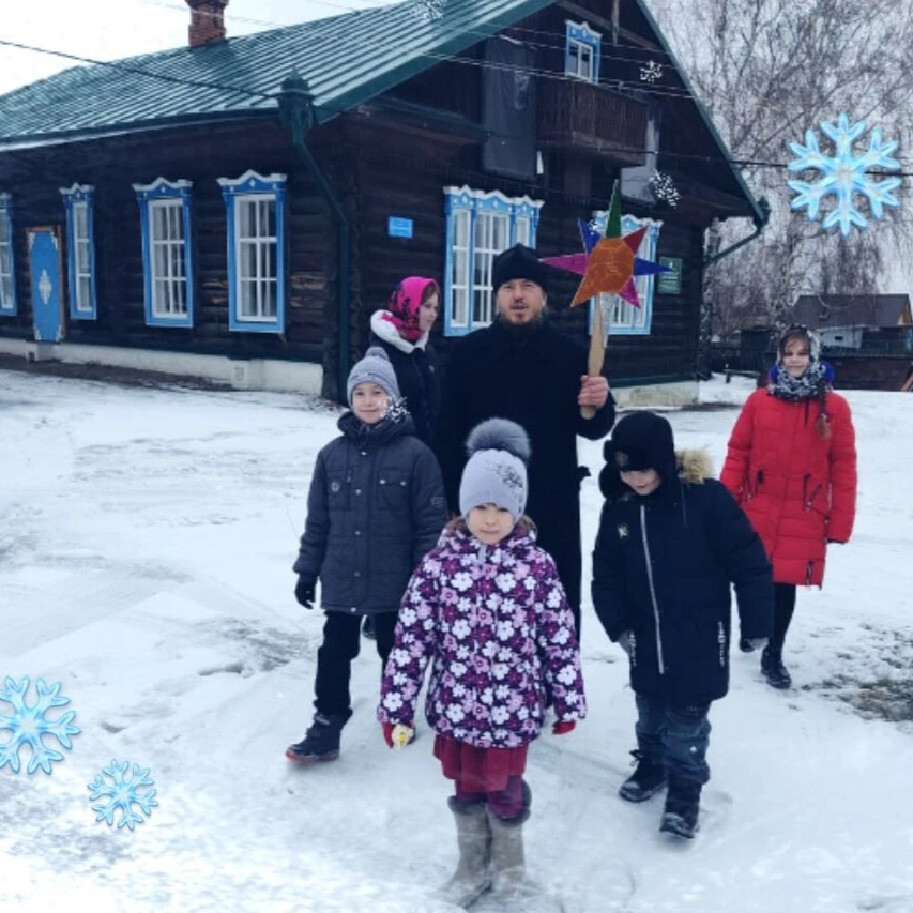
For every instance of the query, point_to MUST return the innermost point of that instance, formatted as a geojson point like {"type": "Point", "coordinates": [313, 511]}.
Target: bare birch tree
{"type": "Point", "coordinates": [767, 70]}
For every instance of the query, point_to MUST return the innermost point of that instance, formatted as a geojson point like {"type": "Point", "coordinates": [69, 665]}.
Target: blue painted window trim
{"type": "Point", "coordinates": [147, 195]}
{"type": "Point", "coordinates": [73, 196]}
{"type": "Point", "coordinates": [8, 298]}
{"type": "Point", "coordinates": [580, 34]}
{"type": "Point", "coordinates": [646, 285]}
{"type": "Point", "coordinates": [465, 200]}
{"type": "Point", "coordinates": [252, 184]}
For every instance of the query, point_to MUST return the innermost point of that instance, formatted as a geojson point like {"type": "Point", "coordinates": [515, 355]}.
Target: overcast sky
{"type": "Point", "coordinates": [111, 29]}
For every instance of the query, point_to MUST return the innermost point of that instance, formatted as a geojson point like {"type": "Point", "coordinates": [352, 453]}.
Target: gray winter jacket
{"type": "Point", "coordinates": [375, 507]}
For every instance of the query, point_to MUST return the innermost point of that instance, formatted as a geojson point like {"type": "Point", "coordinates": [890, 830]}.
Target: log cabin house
{"type": "Point", "coordinates": [237, 207]}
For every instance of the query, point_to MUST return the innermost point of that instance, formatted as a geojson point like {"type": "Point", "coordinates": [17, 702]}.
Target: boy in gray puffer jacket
{"type": "Point", "coordinates": [375, 506]}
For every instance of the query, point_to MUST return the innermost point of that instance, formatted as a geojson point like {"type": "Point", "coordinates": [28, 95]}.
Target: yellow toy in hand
{"type": "Point", "coordinates": [398, 736]}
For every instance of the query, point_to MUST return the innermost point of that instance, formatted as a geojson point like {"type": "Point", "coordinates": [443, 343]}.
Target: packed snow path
{"type": "Point", "coordinates": [146, 538]}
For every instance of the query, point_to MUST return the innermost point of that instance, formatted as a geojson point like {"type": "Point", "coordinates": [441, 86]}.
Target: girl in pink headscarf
{"type": "Point", "coordinates": [402, 330]}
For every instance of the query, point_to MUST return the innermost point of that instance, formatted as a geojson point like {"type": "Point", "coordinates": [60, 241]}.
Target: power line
{"type": "Point", "coordinates": [558, 36]}
{"type": "Point", "coordinates": [639, 87]}
{"type": "Point", "coordinates": [137, 71]}
{"type": "Point", "coordinates": [273, 97]}
{"type": "Point", "coordinates": [182, 7]}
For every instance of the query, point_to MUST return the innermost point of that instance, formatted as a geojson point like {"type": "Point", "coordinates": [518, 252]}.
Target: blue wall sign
{"type": "Point", "coordinates": [399, 227]}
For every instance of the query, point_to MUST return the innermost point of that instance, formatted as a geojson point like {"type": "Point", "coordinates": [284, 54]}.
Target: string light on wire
{"type": "Point", "coordinates": [664, 188]}
{"type": "Point", "coordinates": [651, 71]}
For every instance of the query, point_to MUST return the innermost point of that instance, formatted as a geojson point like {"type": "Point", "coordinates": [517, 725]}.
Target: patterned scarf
{"type": "Point", "coordinates": [808, 386]}
{"type": "Point", "coordinates": [405, 305]}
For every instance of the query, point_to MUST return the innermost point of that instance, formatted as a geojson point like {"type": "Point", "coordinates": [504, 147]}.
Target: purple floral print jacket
{"type": "Point", "coordinates": [495, 624]}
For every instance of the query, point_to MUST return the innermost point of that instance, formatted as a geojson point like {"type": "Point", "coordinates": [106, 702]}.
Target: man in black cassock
{"type": "Point", "coordinates": [524, 369]}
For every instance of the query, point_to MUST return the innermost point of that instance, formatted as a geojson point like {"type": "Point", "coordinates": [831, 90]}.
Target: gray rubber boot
{"type": "Point", "coordinates": [509, 880]}
{"type": "Point", "coordinates": [471, 879]}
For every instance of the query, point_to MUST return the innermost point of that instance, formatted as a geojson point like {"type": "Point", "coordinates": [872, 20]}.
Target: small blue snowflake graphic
{"type": "Point", "coordinates": [29, 725]}
{"type": "Point", "coordinates": [844, 175]}
{"type": "Point", "coordinates": [122, 794]}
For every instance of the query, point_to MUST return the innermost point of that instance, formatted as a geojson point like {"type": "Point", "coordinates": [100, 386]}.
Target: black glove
{"type": "Point", "coordinates": [305, 590]}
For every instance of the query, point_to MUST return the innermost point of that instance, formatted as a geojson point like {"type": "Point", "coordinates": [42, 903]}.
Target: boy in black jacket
{"type": "Point", "coordinates": [375, 506]}
{"type": "Point", "coordinates": [671, 542]}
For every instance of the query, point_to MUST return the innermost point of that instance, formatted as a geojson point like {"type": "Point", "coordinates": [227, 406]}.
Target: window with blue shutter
{"type": "Point", "coordinates": [256, 252]}
{"type": "Point", "coordinates": [581, 53]}
{"type": "Point", "coordinates": [168, 291]}
{"type": "Point", "coordinates": [479, 226]}
{"type": "Point", "coordinates": [79, 202]}
{"type": "Point", "coordinates": [7, 272]}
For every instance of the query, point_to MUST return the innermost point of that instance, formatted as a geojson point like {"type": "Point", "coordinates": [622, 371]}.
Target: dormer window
{"type": "Point", "coordinates": [581, 58]}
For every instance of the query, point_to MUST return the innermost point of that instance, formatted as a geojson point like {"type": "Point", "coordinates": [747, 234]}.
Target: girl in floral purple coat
{"type": "Point", "coordinates": [487, 609]}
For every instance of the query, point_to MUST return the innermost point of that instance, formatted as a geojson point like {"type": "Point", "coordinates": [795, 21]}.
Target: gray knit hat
{"type": "Point", "coordinates": [496, 472]}
{"type": "Point", "coordinates": [374, 368]}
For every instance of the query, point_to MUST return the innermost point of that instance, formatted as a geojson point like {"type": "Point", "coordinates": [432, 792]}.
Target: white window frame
{"type": "Point", "coordinates": [7, 258]}
{"type": "Point", "coordinates": [80, 198]}
{"type": "Point", "coordinates": [624, 318]}
{"type": "Point", "coordinates": [177, 308]}
{"type": "Point", "coordinates": [262, 279]}
{"type": "Point", "coordinates": [582, 45]}
{"type": "Point", "coordinates": [255, 189]}
{"type": "Point", "coordinates": [471, 214]}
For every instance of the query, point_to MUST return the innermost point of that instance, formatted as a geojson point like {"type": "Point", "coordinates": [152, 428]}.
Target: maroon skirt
{"type": "Point", "coordinates": [479, 770]}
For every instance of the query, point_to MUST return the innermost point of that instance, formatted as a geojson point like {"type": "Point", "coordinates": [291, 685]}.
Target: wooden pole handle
{"type": "Point", "coordinates": [597, 355]}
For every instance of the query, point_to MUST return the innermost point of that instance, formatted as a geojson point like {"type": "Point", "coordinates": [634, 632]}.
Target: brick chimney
{"type": "Point", "coordinates": [207, 21]}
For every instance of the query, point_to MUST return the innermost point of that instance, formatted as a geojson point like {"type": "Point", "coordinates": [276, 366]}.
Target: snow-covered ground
{"type": "Point", "coordinates": [146, 538]}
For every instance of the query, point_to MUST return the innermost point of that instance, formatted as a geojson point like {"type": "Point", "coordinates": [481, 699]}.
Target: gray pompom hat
{"type": "Point", "coordinates": [499, 451]}
{"type": "Point", "coordinates": [374, 368]}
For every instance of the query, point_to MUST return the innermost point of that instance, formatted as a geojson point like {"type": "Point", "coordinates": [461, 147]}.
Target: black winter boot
{"type": "Point", "coordinates": [647, 780]}
{"type": "Point", "coordinates": [683, 804]}
{"type": "Point", "coordinates": [774, 671]}
{"type": "Point", "coordinates": [320, 742]}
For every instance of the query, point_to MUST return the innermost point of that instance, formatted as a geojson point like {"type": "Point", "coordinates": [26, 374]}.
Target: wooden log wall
{"type": "Point", "coordinates": [200, 155]}
{"type": "Point", "coordinates": [391, 183]}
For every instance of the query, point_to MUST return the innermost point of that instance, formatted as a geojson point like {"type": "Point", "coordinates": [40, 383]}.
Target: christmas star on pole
{"type": "Point", "coordinates": [608, 264]}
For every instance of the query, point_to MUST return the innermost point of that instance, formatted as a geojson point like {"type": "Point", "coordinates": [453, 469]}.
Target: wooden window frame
{"type": "Point", "coordinates": [579, 36]}
{"type": "Point", "coordinates": [81, 198]}
{"type": "Point", "coordinates": [8, 306]}
{"type": "Point", "coordinates": [252, 187]}
{"type": "Point", "coordinates": [152, 198]}
{"type": "Point", "coordinates": [474, 277]}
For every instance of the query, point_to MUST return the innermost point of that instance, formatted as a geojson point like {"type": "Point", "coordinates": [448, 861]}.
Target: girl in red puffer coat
{"type": "Point", "coordinates": [791, 465]}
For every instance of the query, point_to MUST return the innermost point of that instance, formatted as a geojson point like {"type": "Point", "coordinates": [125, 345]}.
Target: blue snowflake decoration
{"type": "Point", "coordinates": [844, 175]}
{"type": "Point", "coordinates": [29, 725]}
{"type": "Point", "coordinates": [122, 794]}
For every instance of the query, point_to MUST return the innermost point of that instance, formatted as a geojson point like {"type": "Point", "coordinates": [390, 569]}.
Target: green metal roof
{"type": "Point", "coordinates": [345, 59]}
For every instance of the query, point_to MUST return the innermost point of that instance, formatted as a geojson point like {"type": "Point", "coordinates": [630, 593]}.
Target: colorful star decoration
{"type": "Point", "coordinates": [609, 263]}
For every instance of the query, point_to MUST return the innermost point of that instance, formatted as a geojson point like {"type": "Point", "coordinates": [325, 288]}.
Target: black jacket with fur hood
{"type": "Point", "coordinates": [663, 566]}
